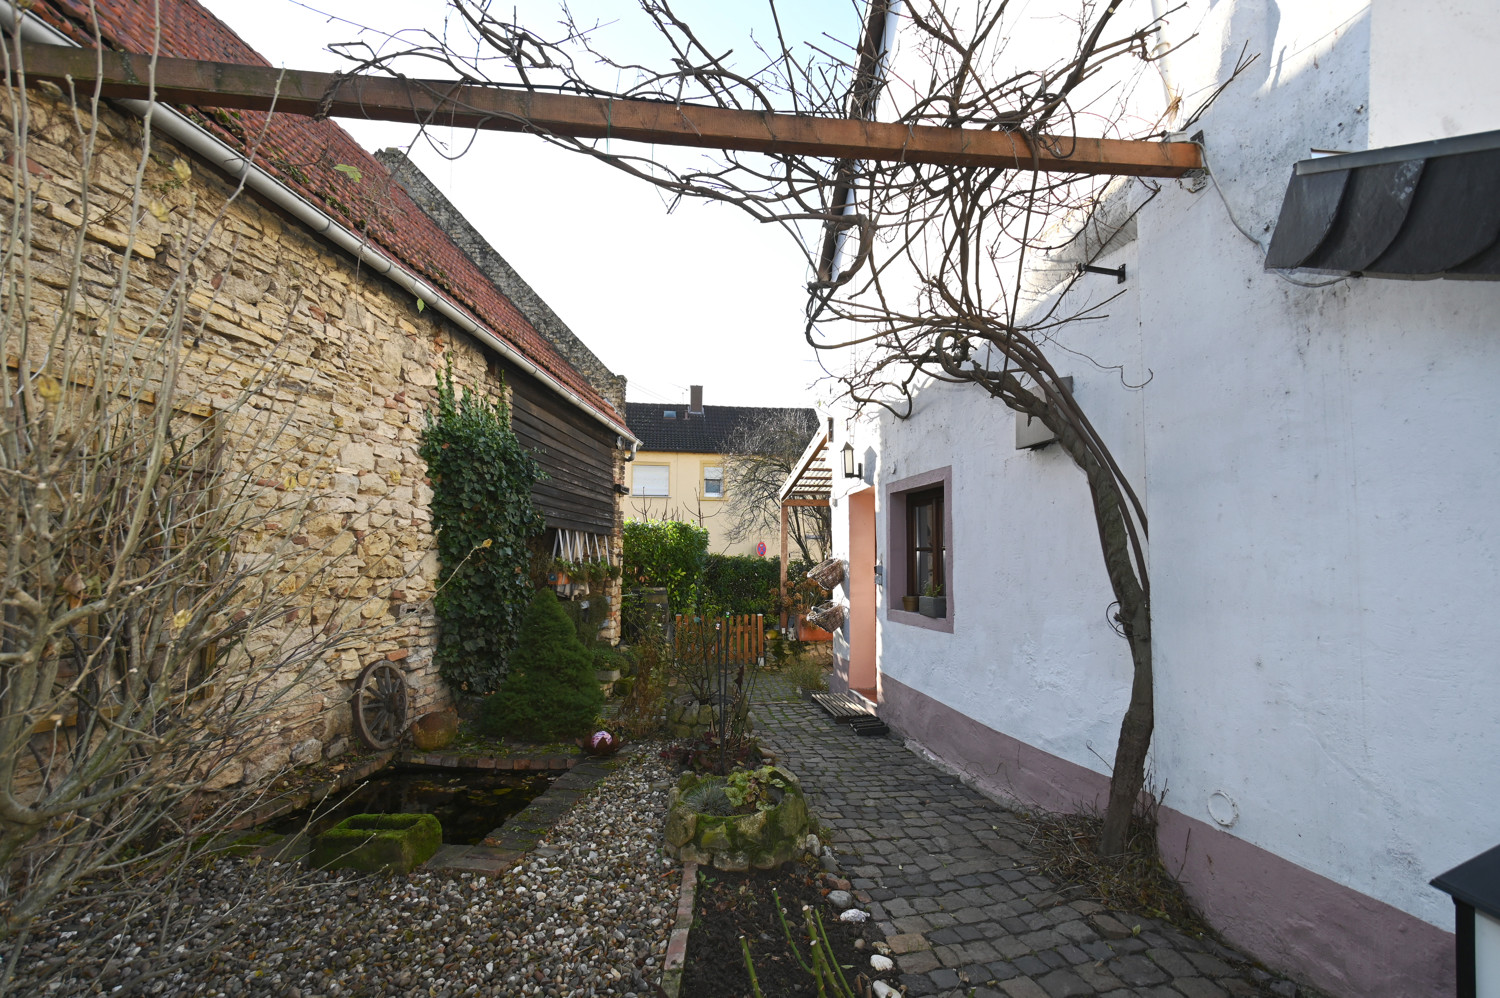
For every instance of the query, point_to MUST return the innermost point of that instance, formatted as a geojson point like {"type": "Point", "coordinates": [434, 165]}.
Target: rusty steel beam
{"type": "Point", "coordinates": [438, 102]}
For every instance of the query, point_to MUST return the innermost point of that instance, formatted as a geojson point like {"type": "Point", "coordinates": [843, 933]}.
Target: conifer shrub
{"type": "Point", "coordinates": [551, 691]}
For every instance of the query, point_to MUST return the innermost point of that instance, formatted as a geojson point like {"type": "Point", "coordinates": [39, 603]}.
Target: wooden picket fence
{"type": "Point", "coordinates": [744, 636]}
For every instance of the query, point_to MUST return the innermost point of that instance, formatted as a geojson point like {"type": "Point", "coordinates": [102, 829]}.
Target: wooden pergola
{"type": "Point", "coordinates": [451, 103]}
{"type": "Point", "coordinates": [809, 484]}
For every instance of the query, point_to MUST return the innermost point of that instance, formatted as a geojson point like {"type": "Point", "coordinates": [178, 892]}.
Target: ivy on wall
{"type": "Point", "coordinates": [484, 518]}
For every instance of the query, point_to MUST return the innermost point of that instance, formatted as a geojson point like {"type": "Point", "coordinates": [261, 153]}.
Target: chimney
{"type": "Point", "coordinates": [695, 400]}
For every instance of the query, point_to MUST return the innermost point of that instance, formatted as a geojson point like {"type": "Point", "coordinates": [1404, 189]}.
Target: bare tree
{"type": "Point", "coordinates": [921, 271]}
{"type": "Point", "coordinates": [758, 456]}
{"type": "Point", "coordinates": [156, 584]}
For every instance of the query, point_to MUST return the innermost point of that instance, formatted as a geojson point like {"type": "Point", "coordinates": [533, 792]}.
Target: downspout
{"type": "Point", "coordinates": [1159, 56]}
{"type": "Point", "coordinates": [181, 129]}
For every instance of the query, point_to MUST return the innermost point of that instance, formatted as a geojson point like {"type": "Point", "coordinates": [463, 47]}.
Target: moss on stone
{"type": "Point", "coordinates": [763, 839]}
{"type": "Point", "coordinates": [370, 843]}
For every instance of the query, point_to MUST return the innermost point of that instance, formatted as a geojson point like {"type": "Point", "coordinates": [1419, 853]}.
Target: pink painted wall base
{"type": "Point", "coordinates": [1287, 916]}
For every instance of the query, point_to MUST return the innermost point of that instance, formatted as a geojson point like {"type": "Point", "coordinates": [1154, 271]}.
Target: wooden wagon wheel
{"type": "Point", "coordinates": [380, 705]}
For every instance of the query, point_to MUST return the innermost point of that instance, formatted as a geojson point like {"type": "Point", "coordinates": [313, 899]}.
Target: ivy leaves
{"type": "Point", "coordinates": [483, 515]}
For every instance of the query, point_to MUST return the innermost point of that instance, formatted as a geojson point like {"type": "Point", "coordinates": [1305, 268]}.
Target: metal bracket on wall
{"type": "Point", "coordinates": [1118, 273]}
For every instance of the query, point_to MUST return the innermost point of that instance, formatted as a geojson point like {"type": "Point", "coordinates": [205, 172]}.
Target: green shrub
{"type": "Point", "coordinates": [741, 583]}
{"type": "Point", "coordinates": [588, 615]}
{"type": "Point", "coordinates": [607, 658]}
{"type": "Point", "coordinates": [483, 516]}
{"type": "Point", "coordinates": [550, 691]}
{"type": "Point", "coordinates": [666, 553]}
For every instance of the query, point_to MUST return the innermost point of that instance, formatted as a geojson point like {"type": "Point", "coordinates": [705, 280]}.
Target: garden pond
{"type": "Point", "coordinates": [470, 803]}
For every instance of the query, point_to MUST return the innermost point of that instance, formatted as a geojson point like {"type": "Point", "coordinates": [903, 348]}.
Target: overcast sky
{"type": "Point", "coordinates": [704, 295]}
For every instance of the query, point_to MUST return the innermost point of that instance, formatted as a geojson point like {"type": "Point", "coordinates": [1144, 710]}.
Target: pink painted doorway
{"type": "Point", "coordinates": [863, 675]}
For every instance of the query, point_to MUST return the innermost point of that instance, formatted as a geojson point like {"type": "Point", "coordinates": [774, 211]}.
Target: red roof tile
{"type": "Point", "coordinates": [303, 154]}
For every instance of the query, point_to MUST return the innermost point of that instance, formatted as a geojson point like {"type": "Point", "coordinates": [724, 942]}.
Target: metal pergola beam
{"type": "Point", "coordinates": [448, 103]}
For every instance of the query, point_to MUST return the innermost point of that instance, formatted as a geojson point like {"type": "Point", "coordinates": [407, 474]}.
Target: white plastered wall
{"type": "Point", "coordinates": [1320, 470]}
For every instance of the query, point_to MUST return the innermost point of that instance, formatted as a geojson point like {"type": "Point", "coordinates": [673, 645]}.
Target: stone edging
{"type": "Point", "coordinates": [672, 966]}
{"type": "Point", "coordinates": [414, 758]}
{"type": "Point", "coordinates": [521, 831]}
{"type": "Point", "coordinates": [311, 795]}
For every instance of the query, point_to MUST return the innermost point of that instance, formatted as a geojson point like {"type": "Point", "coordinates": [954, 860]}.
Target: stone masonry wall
{"type": "Point", "coordinates": [352, 360]}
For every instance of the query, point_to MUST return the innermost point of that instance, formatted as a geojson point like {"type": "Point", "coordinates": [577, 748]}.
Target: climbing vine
{"type": "Point", "coordinates": [484, 518]}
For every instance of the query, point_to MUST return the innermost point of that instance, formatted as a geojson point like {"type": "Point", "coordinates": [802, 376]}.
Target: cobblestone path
{"type": "Point", "coordinates": [949, 879]}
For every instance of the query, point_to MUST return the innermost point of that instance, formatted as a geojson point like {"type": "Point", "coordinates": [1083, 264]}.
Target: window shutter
{"type": "Point", "coordinates": [649, 480]}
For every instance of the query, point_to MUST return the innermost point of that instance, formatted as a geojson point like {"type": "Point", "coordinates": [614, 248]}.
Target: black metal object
{"type": "Point", "coordinates": [1474, 887]}
{"type": "Point", "coordinates": [1426, 210]}
{"type": "Point", "coordinates": [1118, 273]}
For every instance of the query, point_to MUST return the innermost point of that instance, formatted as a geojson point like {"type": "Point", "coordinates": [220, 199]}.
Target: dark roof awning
{"type": "Point", "coordinates": [1431, 209]}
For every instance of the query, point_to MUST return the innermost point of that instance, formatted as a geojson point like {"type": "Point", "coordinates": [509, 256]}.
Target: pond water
{"type": "Point", "coordinates": [470, 803]}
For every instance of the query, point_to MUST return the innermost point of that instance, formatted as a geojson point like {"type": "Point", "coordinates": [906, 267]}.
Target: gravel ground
{"type": "Point", "coordinates": [587, 913]}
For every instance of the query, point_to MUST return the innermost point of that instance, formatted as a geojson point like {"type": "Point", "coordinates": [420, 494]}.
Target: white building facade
{"type": "Point", "coordinates": [1319, 466]}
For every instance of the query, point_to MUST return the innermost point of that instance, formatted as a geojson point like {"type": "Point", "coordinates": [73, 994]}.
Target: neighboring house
{"type": "Point", "coordinates": [679, 471]}
{"type": "Point", "coordinates": [360, 301]}
{"type": "Point", "coordinates": [1319, 467]}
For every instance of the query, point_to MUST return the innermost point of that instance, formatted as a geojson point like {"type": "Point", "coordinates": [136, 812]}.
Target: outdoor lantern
{"type": "Point", "coordinates": [849, 471]}
{"type": "Point", "coordinates": [1475, 889]}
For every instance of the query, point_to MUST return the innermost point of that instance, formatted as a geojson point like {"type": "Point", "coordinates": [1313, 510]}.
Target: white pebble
{"type": "Point", "coordinates": [881, 963]}
{"type": "Point", "coordinates": [854, 915]}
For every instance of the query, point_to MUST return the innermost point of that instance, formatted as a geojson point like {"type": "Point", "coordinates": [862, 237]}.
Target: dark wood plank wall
{"type": "Point", "coordinates": [576, 452]}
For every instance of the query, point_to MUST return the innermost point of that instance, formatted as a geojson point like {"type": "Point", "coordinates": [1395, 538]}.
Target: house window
{"type": "Point", "coordinates": [649, 480]}
{"type": "Point", "coordinates": [713, 481]}
{"type": "Point", "coordinates": [919, 548]}
{"type": "Point", "coordinates": [924, 542]}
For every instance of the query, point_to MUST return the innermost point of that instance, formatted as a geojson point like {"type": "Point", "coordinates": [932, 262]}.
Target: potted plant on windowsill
{"type": "Point", "coordinates": [933, 602]}
{"type": "Point", "coordinates": [910, 603]}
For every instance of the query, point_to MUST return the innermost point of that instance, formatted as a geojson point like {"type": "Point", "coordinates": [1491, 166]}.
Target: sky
{"type": "Point", "coordinates": [701, 295]}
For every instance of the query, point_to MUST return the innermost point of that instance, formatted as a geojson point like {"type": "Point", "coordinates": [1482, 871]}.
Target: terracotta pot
{"type": "Point", "coordinates": [435, 731]}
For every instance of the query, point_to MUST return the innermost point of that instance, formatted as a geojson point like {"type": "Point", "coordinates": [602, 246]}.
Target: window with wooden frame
{"type": "Point", "coordinates": [924, 543]}
{"type": "Point", "coordinates": [919, 550]}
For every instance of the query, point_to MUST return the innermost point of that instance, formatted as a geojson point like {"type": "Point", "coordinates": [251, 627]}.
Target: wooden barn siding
{"type": "Point", "coordinates": [576, 453]}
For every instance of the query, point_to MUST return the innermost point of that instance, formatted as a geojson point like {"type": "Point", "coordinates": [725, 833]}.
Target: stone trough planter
{"type": "Point", "coordinates": [763, 839]}
{"type": "Point", "coordinates": [370, 843]}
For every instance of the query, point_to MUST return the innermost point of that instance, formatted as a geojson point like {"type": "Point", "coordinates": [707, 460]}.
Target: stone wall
{"type": "Point", "coordinates": [349, 361]}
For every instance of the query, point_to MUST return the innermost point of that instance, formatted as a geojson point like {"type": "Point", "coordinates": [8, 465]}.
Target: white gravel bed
{"type": "Point", "coordinates": [588, 913]}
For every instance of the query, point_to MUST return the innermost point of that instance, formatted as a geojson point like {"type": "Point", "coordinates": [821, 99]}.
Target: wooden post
{"type": "Point", "coordinates": [780, 610]}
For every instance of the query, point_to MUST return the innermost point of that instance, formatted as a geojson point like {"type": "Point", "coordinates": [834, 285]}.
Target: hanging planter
{"type": "Point", "coordinates": [829, 616]}
{"type": "Point", "coordinates": [828, 573]}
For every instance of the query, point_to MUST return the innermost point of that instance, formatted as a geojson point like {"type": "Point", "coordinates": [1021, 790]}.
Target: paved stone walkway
{"type": "Point", "coordinates": [950, 880]}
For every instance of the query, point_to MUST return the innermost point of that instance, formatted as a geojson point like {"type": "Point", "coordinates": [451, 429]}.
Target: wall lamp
{"type": "Point", "coordinates": [849, 471]}
{"type": "Point", "coordinates": [624, 490]}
